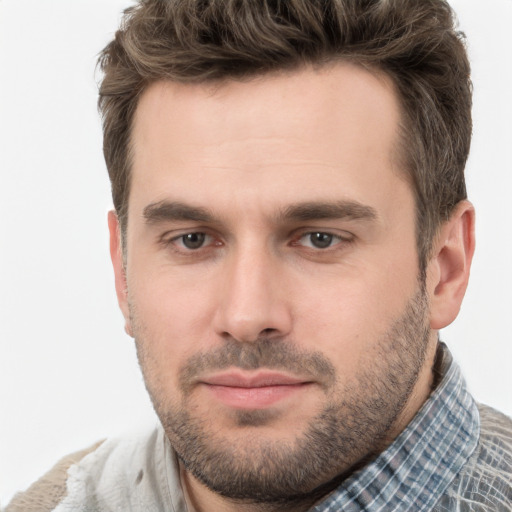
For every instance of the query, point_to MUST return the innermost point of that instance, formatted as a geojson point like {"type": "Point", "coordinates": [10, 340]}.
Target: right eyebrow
{"type": "Point", "coordinates": [163, 211]}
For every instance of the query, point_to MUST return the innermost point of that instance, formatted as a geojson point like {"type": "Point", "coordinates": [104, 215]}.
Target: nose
{"type": "Point", "coordinates": [252, 300]}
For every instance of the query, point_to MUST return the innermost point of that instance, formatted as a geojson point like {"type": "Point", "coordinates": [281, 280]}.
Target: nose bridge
{"type": "Point", "coordinates": [251, 303]}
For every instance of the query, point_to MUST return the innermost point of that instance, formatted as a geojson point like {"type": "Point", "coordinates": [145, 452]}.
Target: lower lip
{"type": "Point", "coordinates": [254, 398]}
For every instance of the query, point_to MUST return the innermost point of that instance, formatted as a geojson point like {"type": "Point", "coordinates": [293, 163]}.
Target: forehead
{"type": "Point", "coordinates": [312, 127]}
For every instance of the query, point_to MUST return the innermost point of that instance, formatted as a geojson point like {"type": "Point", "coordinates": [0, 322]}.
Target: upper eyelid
{"type": "Point", "coordinates": [336, 237]}
{"type": "Point", "coordinates": [339, 233]}
{"type": "Point", "coordinates": [297, 233]}
{"type": "Point", "coordinates": [174, 234]}
{"type": "Point", "coordinates": [333, 232]}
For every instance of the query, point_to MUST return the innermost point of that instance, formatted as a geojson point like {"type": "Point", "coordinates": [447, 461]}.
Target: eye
{"type": "Point", "coordinates": [319, 240]}
{"type": "Point", "coordinates": [193, 241]}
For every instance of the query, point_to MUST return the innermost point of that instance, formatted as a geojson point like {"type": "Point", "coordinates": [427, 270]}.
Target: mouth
{"type": "Point", "coordinates": [253, 391]}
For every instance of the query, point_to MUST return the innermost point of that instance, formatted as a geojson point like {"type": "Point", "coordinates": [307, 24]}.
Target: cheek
{"type": "Point", "coordinates": [170, 322]}
{"type": "Point", "coordinates": [346, 317]}
{"type": "Point", "coordinates": [171, 299]}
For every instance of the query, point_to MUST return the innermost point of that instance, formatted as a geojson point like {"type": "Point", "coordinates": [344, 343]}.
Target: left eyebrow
{"type": "Point", "coordinates": [310, 211]}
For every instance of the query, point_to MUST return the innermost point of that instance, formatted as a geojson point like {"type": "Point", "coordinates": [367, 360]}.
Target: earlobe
{"type": "Point", "coordinates": [448, 270]}
{"type": "Point", "coordinates": [116, 255]}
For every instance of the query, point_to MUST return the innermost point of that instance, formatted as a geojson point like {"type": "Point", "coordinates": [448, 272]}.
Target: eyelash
{"type": "Point", "coordinates": [178, 241]}
{"type": "Point", "coordinates": [338, 239]}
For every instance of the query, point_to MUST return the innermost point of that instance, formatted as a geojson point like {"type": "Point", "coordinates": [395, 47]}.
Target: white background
{"type": "Point", "coordinates": [68, 373]}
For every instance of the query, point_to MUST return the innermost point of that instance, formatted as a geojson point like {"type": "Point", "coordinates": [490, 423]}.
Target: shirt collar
{"type": "Point", "coordinates": [413, 472]}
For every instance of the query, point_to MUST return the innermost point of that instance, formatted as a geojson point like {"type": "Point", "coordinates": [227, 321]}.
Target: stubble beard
{"type": "Point", "coordinates": [351, 429]}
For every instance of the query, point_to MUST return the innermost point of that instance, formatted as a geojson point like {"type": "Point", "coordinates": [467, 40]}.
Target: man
{"type": "Point", "coordinates": [291, 230]}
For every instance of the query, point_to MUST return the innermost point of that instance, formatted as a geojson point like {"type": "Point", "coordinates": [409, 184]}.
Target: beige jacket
{"type": "Point", "coordinates": [127, 474]}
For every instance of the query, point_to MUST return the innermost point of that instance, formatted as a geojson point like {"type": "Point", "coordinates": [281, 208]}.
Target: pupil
{"type": "Point", "coordinates": [193, 240]}
{"type": "Point", "coordinates": [321, 240]}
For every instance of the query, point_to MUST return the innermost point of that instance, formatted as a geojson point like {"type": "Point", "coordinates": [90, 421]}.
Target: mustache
{"type": "Point", "coordinates": [262, 353]}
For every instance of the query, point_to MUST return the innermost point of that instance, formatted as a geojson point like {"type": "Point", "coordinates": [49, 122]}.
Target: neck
{"type": "Point", "coordinates": [427, 381]}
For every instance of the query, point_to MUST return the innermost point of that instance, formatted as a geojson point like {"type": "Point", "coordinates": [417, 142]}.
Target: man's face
{"type": "Point", "coordinates": [272, 276]}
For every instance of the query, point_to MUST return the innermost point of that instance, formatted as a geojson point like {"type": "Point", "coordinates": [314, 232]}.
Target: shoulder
{"type": "Point", "coordinates": [496, 427]}
{"type": "Point", "coordinates": [45, 494]}
{"type": "Point", "coordinates": [485, 482]}
{"type": "Point", "coordinates": [492, 459]}
{"type": "Point", "coordinates": [114, 474]}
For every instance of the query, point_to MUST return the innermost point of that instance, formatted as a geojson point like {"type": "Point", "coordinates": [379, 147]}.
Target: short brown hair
{"type": "Point", "coordinates": [413, 41]}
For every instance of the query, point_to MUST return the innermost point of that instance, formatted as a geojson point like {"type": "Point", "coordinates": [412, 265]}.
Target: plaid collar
{"type": "Point", "coordinates": [415, 470]}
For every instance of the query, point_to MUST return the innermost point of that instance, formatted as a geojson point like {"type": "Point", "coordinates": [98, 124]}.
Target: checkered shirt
{"type": "Point", "coordinates": [455, 455]}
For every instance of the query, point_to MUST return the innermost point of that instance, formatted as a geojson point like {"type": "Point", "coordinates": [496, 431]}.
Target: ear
{"type": "Point", "coordinates": [116, 255]}
{"type": "Point", "coordinates": [448, 269]}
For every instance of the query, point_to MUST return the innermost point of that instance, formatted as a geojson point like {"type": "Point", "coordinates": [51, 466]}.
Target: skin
{"type": "Point", "coordinates": [251, 155]}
